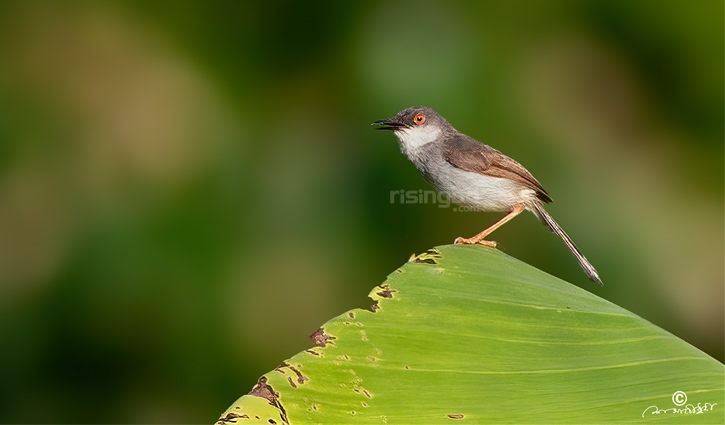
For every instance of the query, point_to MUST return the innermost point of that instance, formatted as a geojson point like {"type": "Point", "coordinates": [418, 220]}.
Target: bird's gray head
{"type": "Point", "coordinates": [416, 126]}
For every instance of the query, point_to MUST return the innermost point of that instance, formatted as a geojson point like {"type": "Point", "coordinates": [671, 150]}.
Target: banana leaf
{"type": "Point", "coordinates": [469, 334]}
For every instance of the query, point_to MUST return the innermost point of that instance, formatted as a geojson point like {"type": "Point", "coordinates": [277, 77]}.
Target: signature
{"type": "Point", "coordinates": [686, 410]}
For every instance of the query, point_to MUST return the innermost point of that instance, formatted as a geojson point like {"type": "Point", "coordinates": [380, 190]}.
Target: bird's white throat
{"type": "Point", "coordinates": [413, 138]}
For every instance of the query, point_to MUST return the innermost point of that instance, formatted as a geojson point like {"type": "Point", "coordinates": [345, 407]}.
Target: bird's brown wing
{"type": "Point", "coordinates": [469, 155]}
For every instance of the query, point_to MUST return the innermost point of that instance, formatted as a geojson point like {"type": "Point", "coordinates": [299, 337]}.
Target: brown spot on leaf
{"type": "Point", "coordinates": [272, 421]}
{"type": "Point", "coordinates": [265, 391]}
{"type": "Point", "coordinates": [386, 292]}
{"type": "Point", "coordinates": [367, 394]}
{"type": "Point", "coordinates": [374, 308]}
{"type": "Point", "coordinates": [456, 416]}
{"type": "Point", "coordinates": [230, 418]}
{"type": "Point", "coordinates": [289, 379]}
{"type": "Point", "coordinates": [351, 314]}
{"type": "Point", "coordinates": [425, 260]}
{"type": "Point", "coordinates": [300, 378]}
{"type": "Point", "coordinates": [314, 353]}
{"type": "Point", "coordinates": [429, 257]}
{"type": "Point", "coordinates": [320, 338]}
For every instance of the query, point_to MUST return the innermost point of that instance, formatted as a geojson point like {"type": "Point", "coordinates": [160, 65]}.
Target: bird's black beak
{"type": "Point", "coordinates": [388, 124]}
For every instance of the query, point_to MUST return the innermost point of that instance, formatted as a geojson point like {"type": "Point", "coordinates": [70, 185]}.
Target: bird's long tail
{"type": "Point", "coordinates": [538, 209]}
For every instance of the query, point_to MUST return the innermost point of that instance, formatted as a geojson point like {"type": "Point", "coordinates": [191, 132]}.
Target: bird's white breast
{"type": "Point", "coordinates": [483, 192]}
{"type": "Point", "coordinates": [480, 191]}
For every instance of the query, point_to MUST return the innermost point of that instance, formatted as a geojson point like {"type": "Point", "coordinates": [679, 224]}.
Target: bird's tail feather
{"type": "Point", "coordinates": [544, 217]}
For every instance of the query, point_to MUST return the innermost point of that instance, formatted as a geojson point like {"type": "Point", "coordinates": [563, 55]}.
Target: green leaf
{"type": "Point", "coordinates": [469, 334]}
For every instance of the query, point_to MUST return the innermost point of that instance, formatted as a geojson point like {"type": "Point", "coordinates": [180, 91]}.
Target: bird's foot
{"type": "Point", "coordinates": [474, 241]}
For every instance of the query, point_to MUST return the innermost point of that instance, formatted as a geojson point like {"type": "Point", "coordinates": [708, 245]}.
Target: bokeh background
{"type": "Point", "coordinates": [189, 189]}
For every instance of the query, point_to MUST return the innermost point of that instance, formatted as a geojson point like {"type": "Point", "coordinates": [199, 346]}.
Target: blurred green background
{"type": "Point", "coordinates": [189, 189]}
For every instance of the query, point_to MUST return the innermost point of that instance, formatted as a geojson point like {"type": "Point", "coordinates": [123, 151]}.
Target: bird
{"type": "Point", "coordinates": [473, 174]}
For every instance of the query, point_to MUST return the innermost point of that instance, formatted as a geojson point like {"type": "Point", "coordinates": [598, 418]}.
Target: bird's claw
{"type": "Point", "coordinates": [466, 241]}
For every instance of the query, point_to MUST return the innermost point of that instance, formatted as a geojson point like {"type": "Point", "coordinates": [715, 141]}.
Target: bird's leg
{"type": "Point", "coordinates": [479, 238]}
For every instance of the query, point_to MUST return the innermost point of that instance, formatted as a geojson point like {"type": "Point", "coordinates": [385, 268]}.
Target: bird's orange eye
{"type": "Point", "coordinates": [419, 119]}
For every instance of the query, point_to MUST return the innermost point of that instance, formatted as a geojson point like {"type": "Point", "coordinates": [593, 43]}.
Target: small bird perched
{"type": "Point", "coordinates": [473, 174]}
